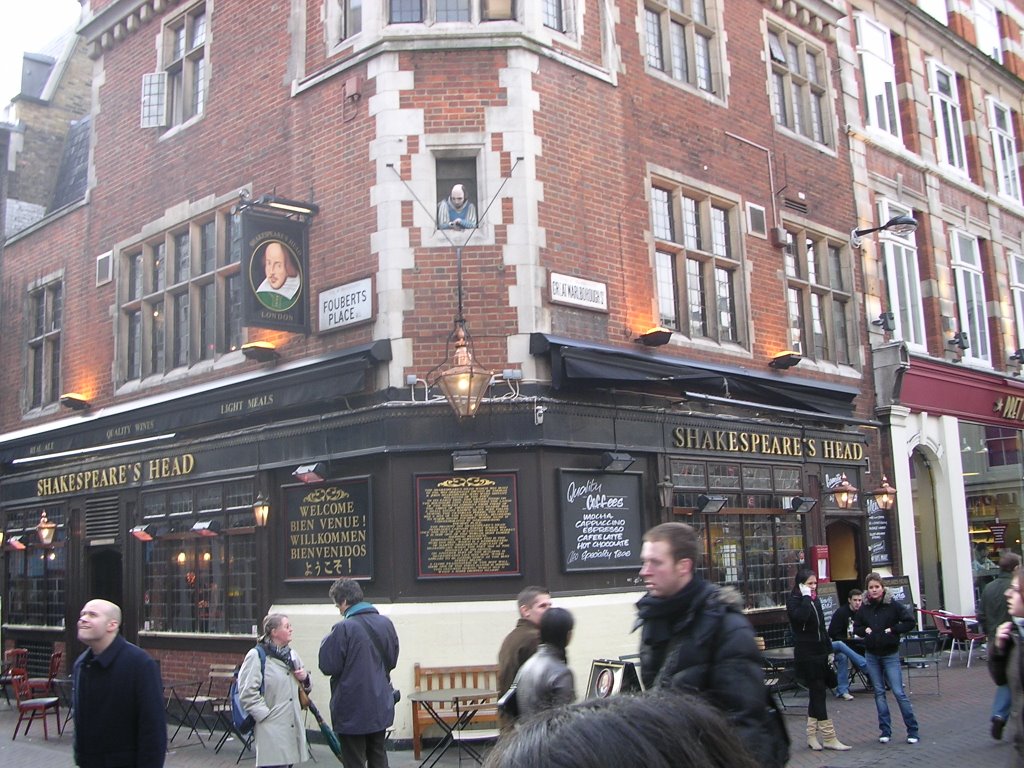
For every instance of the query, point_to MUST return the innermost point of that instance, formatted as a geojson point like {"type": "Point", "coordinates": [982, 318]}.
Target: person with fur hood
{"type": "Point", "coordinates": [880, 621]}
{"type": "Point", "coordinates": [696, 639]}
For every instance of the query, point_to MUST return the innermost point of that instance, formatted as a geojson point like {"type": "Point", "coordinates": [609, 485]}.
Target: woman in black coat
{"type": "Point", "coordinates": [811, 650]}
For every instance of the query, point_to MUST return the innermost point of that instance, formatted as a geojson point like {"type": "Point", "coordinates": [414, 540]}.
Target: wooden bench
{"type": "Point", "coordinates": [434, 678]}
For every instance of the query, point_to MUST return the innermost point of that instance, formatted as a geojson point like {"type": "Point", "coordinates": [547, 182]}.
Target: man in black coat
{"type": "Point", "coordinates": [846, 646]}
{"type": "Point", "coordinates": [117, 696]}
{"type": "Point", "coordinates": [695, 638]}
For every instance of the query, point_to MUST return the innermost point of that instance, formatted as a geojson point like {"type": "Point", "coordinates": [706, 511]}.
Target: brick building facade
{"type": "Point", "coordinates": [671, 165]}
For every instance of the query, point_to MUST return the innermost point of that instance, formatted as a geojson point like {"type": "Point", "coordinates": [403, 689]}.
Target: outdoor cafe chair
{"type": "Point", "coordinates": [34, 708]}
{"type": "Point", "coordinates": [43, 686]}
{"type": "Point", "coordinates": [14, 659]}
{"type": "Point", "coordinates": [940, 623]}
{"type": "Point", "coordinates": [921, 656]}
{"type": "Point", "coordinates": [963, 636]}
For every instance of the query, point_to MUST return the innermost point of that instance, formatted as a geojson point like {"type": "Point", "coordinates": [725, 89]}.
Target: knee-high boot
{"type": "Point", "coordinates": [829, 739]}
{"type": "Point", "coordinates": [812, 734]}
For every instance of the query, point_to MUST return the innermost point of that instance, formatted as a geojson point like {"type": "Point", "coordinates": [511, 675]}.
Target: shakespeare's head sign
{"type": "Point", "coordinates": [275, 272]}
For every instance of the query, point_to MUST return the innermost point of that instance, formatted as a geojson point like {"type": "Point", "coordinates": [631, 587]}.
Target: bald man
{"type": "Point", "coordinates": [117, 696]}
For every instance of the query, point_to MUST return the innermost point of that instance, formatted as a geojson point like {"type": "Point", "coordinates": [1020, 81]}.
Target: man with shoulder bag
{"type": "Point", "coordinates": [358, 655]}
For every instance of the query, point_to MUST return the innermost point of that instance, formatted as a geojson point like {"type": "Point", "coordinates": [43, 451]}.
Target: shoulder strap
{"type": "Point", "coordinates": [262, 653]}
{"type": "Point", "coordinates": [375, 639]}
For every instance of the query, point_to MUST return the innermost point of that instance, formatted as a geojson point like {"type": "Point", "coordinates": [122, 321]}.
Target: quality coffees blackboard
{"type": "Point", "coordinates": [601, 520]}
{"type": "Point", "coordinates": [828, 596]}
{"type": "Point", "coordinates": [329, 531]}
{"type": "Point", "coordinates": [878, 534]}
{"type": "Point", "coordinates": [467, 525]}
{"type": "Point", "coordinates": [899, 586]}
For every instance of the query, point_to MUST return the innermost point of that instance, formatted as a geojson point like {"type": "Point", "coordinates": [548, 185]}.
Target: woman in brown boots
{"type": "Point", "coordinates": [811, 650]}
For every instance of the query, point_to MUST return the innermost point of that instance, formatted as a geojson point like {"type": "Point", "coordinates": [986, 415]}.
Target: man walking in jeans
{"type": "Point", "coordinates": [358, 654]}
{"type": "Point", "coordinates": [993, 611]}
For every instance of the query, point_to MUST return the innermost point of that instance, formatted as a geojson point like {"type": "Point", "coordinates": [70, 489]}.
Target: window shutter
{"type": "Point", "coordinates": [154, 100]}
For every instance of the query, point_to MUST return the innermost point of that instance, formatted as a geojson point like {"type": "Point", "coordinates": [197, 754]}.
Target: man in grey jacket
{"type": "Point", "coordinates": [358, 654]}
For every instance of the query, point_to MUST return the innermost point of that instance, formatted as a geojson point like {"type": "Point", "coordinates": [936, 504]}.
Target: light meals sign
{"type": "Point", "coordinates": [578, 292]}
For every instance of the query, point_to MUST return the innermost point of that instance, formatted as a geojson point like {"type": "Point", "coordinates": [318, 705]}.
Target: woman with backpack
{"type": "Point", "coordinates": [268, 687]}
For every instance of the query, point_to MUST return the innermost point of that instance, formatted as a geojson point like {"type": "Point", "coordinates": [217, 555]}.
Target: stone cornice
{"type": "Point", "coordinates": [817, 16]}
{"type": "Point", "coordinates": [119, 20]}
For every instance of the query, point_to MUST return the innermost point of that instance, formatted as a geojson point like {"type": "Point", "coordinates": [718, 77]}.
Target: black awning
{"type": "Point", "coordinates": [575, 363]}
{"type": "Point", "coordinates": [220, 404]}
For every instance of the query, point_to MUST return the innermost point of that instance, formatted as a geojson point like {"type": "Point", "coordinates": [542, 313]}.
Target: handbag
{"type": "Point", "coordinates": [831, 673]}
{"type": "Point", "coordinates": [508, 704]}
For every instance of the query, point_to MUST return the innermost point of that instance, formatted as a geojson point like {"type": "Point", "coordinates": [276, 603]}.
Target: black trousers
{"type": "Point", "coordinates": [363, 751]}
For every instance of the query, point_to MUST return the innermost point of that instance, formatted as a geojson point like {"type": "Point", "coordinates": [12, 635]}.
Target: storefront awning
{"type": "Point", "coordinates": [263, 394]}
{"type": "Point", "coordinates": [575, 363]}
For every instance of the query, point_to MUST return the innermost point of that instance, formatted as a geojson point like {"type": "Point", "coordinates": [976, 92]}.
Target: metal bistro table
{"type": "Point", "coordinates": [780, 655]}
{"type": "Point", "coordinates": [466, 702]}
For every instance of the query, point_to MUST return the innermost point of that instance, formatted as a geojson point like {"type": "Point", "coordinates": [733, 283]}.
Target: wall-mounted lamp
{"type": "Point", "coordinates": [311, 473]}
{"type": "Point", "coordinates": [465, 461]}
{"type": "Point", "coordinates": [17, 542]}
{"type": "Point", "coordinates": [959, 341]}
{"type": "Point", "coordinates": [654, 337]}
{"type": "Point", "coordinates": [462, 380]}
{"type": "Point", "coordinates": [885, 494]}
{"type": "Point", "coordinates": [45, 529]}
{"type": "Point", "coordinates": [261, 510]}
{"type": "Point", "coordinates": [802, 504]}
{"type": "Point", "coordinates": [181, 558]}
{"type": "Point", "coordinates": [144, 532]}
{"type": "Point", "coordinates": [260, 351]}
{"type": "Point", "coordinates": [667, 493]}
{"type": "Point", "coordinates": [206, 528]}
{"type": "Point", "coordinates": [844, 493]}
{"type": "Point", "coordinates": [613, 461]}
{"type": "Point", "coordinates": [74, 401]}
{"type": "Point", "coordinates": [275, 204]}
{"type": "Point", "coordinates": [1, 538]}
{"type": "Point", "coordinates": [898, 225]}
{"type": "Point", "coordinates": [886, 321]}
{"type": "Point", "coordinates": [785, 359]}
{"type": "Point", "coordinates": [709, 505]}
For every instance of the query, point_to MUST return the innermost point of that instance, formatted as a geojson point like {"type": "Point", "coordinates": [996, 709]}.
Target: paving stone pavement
{"type": "Point", "coordinates": [954, 731]}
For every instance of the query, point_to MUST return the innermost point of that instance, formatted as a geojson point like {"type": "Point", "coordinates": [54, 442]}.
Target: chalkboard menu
{"type": "Point", "coordinates": [601, 528]}
{"type": "Point", "coordinates": [878, 534]}
{"type": "Point", "coordinates": [900, 588]}
{"type": "Point", "coordinates": [329, 531]}
{"type": "Point", "coordinates": [467, 526]}
{"type": "Point", "coordinates": [828, 596]}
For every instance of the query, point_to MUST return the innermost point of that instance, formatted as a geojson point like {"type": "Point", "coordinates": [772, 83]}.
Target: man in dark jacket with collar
{"type": "Point", "coordinates": [117, 696]}
{"type": "Point", "coordinates": [521, 643]}
{"type": "Point", "coordinates": [696, 639]}
{"type": "Point", "coordinates": [358, 655]}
